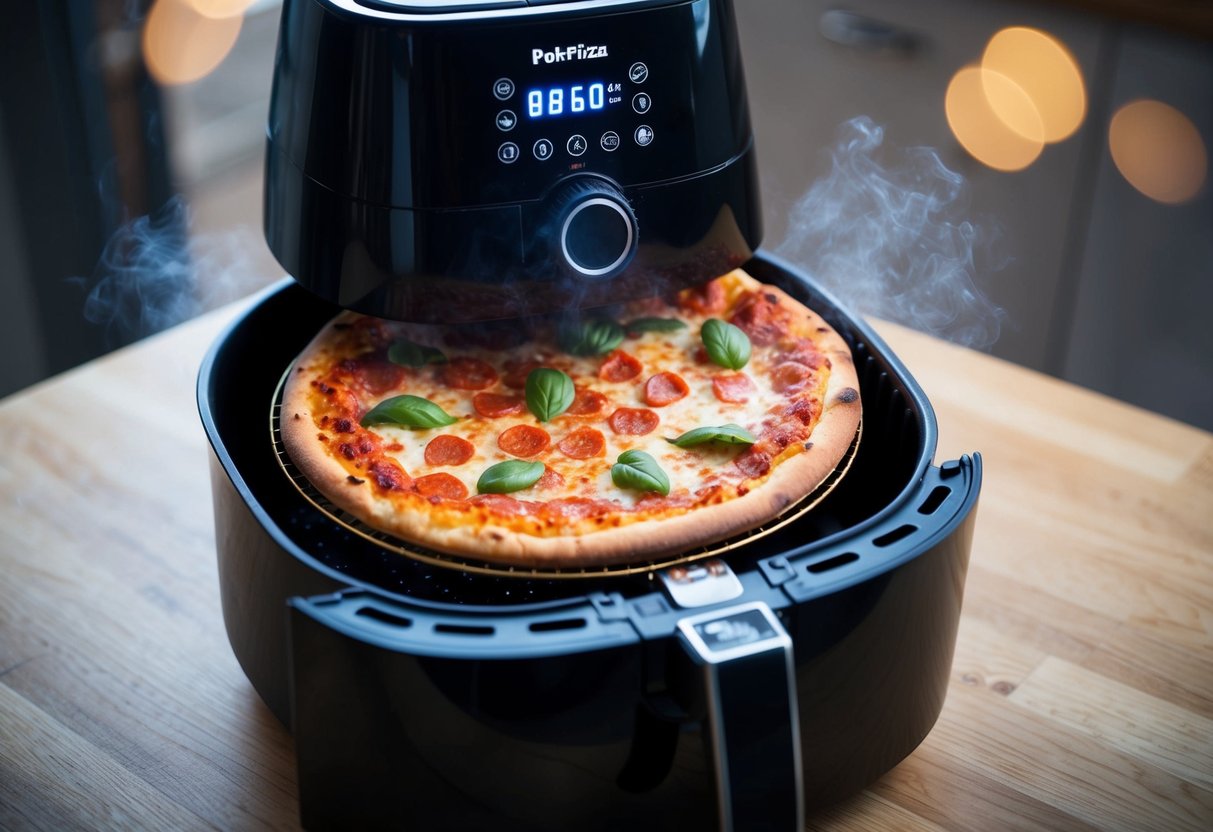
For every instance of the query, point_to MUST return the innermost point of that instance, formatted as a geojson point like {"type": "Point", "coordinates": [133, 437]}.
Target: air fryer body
{"type": "Point", "coordinates": [469, 165]}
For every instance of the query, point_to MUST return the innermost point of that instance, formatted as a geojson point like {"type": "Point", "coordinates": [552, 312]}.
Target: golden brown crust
{"type": "Point", "coordinates": [474, 531]}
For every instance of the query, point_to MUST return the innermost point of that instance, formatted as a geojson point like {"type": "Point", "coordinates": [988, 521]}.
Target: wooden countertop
{"type": "Point", "coordinates": [1081, 696]}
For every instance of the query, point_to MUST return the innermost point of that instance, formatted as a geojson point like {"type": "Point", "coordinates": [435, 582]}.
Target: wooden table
{"type": "Point", "coordinates": [1081, 697]}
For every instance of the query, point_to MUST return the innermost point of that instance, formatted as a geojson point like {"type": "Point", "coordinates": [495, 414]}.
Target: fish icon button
{"type": "Point", "coordinates": [638, 73]}
{"type": "Point", "coordinates": [506, 121]}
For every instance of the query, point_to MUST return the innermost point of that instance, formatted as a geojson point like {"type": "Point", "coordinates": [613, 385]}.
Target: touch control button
{"type": "Point", "coordinates": [503, 88]}
{"type": "Point", "coordinates": [508, 153]}
{"type": "Point", "coordinates": [610, 140]}
{"type": "Point", "coordinates": [638, 73]}
{"type": "Point", "coordinates": [506, 120]}
{"type": "Point", "coordinates": [641, 102]}
{"type": "Point", "coordinates": [576, 145]}
{"type": "Point", "coordinates": [542, 149]}
{"type": "Point", "coordinates": [644, 135]}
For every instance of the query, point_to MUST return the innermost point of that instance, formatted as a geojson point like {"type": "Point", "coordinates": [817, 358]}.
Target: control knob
{"type": "Point", "coordinates": [596, 228]}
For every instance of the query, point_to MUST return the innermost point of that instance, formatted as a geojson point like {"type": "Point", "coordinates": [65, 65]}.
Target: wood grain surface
{"type": "Point", "coordinates": [1081, 695]}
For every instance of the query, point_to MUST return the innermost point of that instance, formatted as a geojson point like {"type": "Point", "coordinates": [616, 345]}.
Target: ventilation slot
{"type": "Point", "coordinates": [934, 500]}
{"type": "Point", "coordinates": [833, 563]}
{"type": "Point", "coordinates": [899, 533]}
{"type": "Point", "coordinates": [384, 617]}
{"type": "Point", "coordinates": [464, 629]}
{"type": "Point", "coordinates": [560, 624]}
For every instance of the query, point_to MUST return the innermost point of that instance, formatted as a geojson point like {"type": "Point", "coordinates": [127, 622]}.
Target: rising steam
{"type": "Point", "coordinates": [884, 232]}
{"type": "Point", "coordinates": [153, 273]}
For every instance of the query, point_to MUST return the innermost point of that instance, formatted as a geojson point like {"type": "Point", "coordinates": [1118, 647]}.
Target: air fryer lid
{"type": "Point", "coordinates": [501, 160]}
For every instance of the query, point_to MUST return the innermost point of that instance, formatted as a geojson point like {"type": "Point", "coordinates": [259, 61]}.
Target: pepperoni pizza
{"type": "Point", "coordinates": [666, 424]}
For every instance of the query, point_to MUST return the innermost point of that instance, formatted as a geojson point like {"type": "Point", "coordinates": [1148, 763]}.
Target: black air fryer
{"type": "Point", "coordinates": [456, 161]}
{"type": "Point", "coordinates": [472, 160]}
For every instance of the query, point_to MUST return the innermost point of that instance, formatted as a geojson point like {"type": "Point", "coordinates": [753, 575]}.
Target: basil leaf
{"type": "Point", "coordinates": [511, 475]}
{"type": "Point", "coordinates": [638, 471]}
{"type": "Point", "coordinates": [409, 354]}
{"type": "Point", "coordinates": [548, 393]}
{"type": "Point", "coordinates": [729, 434]}
{"type": "Point", "coordinates": [596, 336]}
{"type": "Point", "coordinates": [409, 412]}
{"type": "Point", "coordinates": [654, 325]}
{"type": "Point", "coordinates": [726, 344]}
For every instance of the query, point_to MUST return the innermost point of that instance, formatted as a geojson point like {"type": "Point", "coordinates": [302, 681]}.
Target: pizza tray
{"type": "Point", "coordinates": [639, 565]}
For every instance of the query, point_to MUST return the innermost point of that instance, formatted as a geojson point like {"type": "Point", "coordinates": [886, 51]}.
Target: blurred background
{"type": "Point", "coordinates": [1032, 177]}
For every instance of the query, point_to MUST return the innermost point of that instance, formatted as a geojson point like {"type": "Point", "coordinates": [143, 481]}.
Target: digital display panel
{"type": "Point", "coordinates": [571, 99]}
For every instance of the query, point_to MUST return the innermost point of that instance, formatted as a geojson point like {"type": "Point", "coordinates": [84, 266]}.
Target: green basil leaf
{"type": "Point", "coordinates": [409, 412]}
{"type": "Point", "coordinates": [654, 325]}
{"type": "Point", "coordinates": [511, 475]}
{"type": "Point", "coordinates": [638, 471]}
{"type": "Point", "coordinates": [726, 344]}
{"type": "Point", "coordinates": [548, 393]}
{"type": "Point", "coordinates": [409, 354]}
{"type": "Point", "coordinates": [729, 434]}
{"type": "Point", "coordinates": [597, 336]}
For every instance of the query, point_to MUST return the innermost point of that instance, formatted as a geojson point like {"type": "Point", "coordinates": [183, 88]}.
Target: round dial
{"type": "Point", "coordinates": [597, 228]}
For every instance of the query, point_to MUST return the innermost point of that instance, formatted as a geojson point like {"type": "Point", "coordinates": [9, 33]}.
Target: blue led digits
{"type": "Point", "coordinates": [549, 102]}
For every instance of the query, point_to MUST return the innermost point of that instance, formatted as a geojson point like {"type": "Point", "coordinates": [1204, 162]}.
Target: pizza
{"type": "Point", "coordinates": [620, 436]}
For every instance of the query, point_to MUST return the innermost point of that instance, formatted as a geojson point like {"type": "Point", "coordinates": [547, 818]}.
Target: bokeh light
{"type": "Point", "coordinates": [181, 45]}
{"type": "Point", "coordinates": [220, 8]}
{"type": "Point", "coordinates": [1040, 65]}
{"type": "Point", "coordinates": [969, 105]}
{"type": "Point", "coordinates": [1158, 150]}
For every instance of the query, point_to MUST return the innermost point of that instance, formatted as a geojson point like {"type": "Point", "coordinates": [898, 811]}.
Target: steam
{"type": "Point", "coordinates": [883, 232]}
{"type": "Point", "coordinates": [153, 273]}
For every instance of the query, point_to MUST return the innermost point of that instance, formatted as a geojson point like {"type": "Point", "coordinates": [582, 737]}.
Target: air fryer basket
{"type": "Point", "coordinates": [437, 698]}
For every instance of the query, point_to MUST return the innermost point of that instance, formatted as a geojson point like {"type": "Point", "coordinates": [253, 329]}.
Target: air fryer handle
{"type": "Point", "coordinates": [748, 674]}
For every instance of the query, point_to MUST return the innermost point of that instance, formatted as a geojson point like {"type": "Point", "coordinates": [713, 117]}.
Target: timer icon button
{"type": "Point", "coordinates": [638, 73]}
{"type": "Point", "coordinates": [503, 88]}
{"type": "Point", "coordinates": [641, 102]}
{"type": "Point", "coordinates": [506, 120]}
{"type": "Point", "coordinates": [576, 145]}
{"type": "Point", "coordinates": [542, 149]}
{"type": "Point", "coordinates": [508, 153]}
{"type": "Point", "coordinates": [644, 135]}
{"type": "Point", "coordinates": [609, 141]}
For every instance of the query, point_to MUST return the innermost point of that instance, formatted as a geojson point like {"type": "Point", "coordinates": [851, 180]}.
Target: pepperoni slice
{"type": "Point", "coordinates": [524, 441]}
{"type": "Point", "coordinates": [583, 443]}
{"type": "Point", "coordinates": [586, 403]}
{"type": "Point", "coordinates": [448, 450]}
{"type": "Point", "coordinates": [442, 486]}
{"type": "Point", "coordinates": [495, 405]}
{"type": "Point", "coordinates": [733, 388]}
{"type": "Point", "coordinates": [707, 299]}
{"type": "Point", "coordinates": [761, 317]}
{"type": "Point", "coordinates": [467, 374]}
{"type": "Point", "coordinates": [549, 479]}
{"type": "Point", "coordinates": [619, 366]}
{"type": "Point", "coordinates": [753, 463]}
{"type": "Point", "coordinates": [373, 372]}
{"type": "Point", "coordinates": [664, 388]}
{"type": "Point", "coordinates": [803, 352]}
{"type": "Point", "coordinates": [789, 377]}
{"type": "Point", "coordinates": [517, 371]}
{"type": "Point", "coordinates": [633, 421]}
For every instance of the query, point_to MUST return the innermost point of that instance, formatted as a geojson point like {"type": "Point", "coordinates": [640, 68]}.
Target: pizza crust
{"type": "Point", "coordinates": [794, 474]}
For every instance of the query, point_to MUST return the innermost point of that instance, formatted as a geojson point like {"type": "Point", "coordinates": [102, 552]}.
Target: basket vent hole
{"type": "Point", "coordinates": [464, 629]}
{"type": "Point", "coordinates": [934, 500]}
{"type": "Point", "coordinates": [384, 617]}
{"type": "Point", "coordinates": [560, 624]}
{"type": "Point", "coordinates": [899, 533]}
{"type": "Point", "coordinates": [833, 563]}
